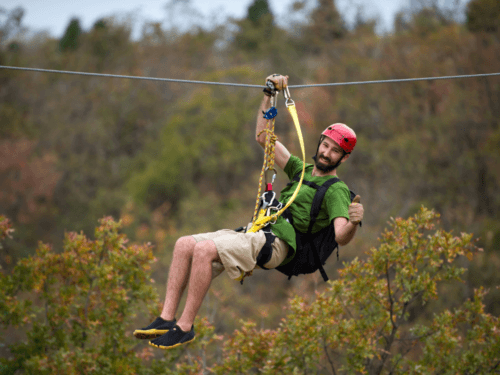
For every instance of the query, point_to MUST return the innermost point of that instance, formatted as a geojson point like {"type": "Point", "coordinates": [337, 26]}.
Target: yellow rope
{"type": "Point", "coordinates": [262, 220]}
{"type": "Point", "coordinates": [268, 159]}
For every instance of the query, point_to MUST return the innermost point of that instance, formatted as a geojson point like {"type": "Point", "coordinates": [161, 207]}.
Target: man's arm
{"type": "Point", "coordinates": [346, 229]}
{"type": "Point", "coordinates": [281, 154]}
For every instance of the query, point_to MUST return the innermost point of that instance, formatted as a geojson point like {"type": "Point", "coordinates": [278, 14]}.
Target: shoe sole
{"type": "Point", "coordinates": [173, 346]}
{"type": "Point", "coordinates": [149, 334]}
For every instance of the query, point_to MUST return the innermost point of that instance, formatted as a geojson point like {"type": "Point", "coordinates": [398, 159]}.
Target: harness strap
{"type": "Point", "coordinates": [305, 182]}
{"type": "Point", "coordinates": [318, 200]}
{"type": "Point", "coordinates": [266, 251]}
{"type": "Point", "coordinates": [315, 209]}
{"type": "Point", "coordinates": [288, 216]}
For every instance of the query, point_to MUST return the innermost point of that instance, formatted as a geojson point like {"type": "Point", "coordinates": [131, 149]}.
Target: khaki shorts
{"type": "Point", "coordinates": [238, 251]}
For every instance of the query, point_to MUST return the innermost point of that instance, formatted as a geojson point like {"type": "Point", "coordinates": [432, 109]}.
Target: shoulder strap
{"type": "Point", "coordinates": [315, 208]}
{"type": "Point", "coordinates": [318, 200]}
{"type": "Point", "coordinates": [318, 197]}
{"type": "Point", "coordinates": [305, 182]}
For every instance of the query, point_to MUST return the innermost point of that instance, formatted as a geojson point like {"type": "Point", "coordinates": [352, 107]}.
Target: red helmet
{"type": "Point", "coordinates": [343, 135]}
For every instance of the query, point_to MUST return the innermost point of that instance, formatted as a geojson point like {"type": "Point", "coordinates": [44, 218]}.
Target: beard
{"type": "Point", "coordinates": [324, 164]}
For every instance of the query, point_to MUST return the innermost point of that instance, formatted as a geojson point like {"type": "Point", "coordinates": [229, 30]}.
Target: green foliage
{"type": "Point", "coordinates": [483, 15]}
{"type": "Point", "coordinates": [84, 147]}
{"type": "Point", "coordinates": [206, 144]}
{"type": "Point", "coordinates": [465, 341]}
{"type": "Point", "coordinates": [256, 30]}
{"type": "Point", "coordinates": [11, 309]}
{"type": "Point", "coordinates": [70, 39]}
{"type": "Point", "coordinates": [360, 324]}
{"type": "Point", "coordinates": [326, 26]}
{"type": "Point", "coordinates": [77, 304]}
{"type": "Point", "coordinates": [246, 350]}
{"type": "Point", "coordinates": [108, 42]}
{"type": "Point", "coordinates": [257, 10]}
{"type": "Point", "coordinates": [254, 38]}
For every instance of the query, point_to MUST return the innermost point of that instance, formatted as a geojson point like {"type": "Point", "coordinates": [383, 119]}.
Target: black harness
{"type": "Point", "coordinates": [313, 249]}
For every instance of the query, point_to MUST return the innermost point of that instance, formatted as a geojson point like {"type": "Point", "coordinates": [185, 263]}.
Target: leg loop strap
{"type": "Point", "coordinates": [267, 250]}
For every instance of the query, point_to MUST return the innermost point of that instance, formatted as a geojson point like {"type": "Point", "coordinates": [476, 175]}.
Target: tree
{"type": "Point", "coordinates": [257, 12]}
{"type": "Point", "coordinates": [256, 29]}
{"type": "Point", "coordinates": [326, 25]}
{"type": "Point", "coordinates": [79, 301]}
{"type": "Point", "coordinates": [78, 304]}
{"type": "Point", "coordinates": [70, 39]}
{"type": "Point", "coordinates": [483, 15]}
{"type": "Point", "coordinates": [205, 146]}
{"type": "Point", "coordinates": [365, 320]}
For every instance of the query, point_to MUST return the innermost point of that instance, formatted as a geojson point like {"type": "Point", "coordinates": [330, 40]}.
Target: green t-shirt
{"type": "Point", "coordinates": [335, 204]}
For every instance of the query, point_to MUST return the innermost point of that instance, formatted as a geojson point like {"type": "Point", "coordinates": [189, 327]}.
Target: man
{"type": "Point", "coordinates": [238, 252]}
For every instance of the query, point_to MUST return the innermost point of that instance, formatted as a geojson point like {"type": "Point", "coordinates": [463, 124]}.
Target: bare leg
{"type": "Point", "coordinates": [178, 275]}
{"type": "Point", "coordinates": [204, 254]}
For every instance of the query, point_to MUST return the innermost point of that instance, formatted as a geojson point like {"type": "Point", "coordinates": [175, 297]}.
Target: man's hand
{"type": "Point", "coordinates": [356, 211]}
{"type": "Point", "coordinates": [280, 82]}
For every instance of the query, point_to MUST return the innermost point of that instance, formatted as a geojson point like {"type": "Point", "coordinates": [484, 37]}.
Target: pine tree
{"type": "Point", "coordinates": [257, 28]}
{"type": "Point", "coordinates": [325, 26]}
{"type": "Point", "coordinates": [257, 10]}
{"type": "Point", "coordinates": [69, 41]}
{"type": "Point", "coordinates": [327, 22]}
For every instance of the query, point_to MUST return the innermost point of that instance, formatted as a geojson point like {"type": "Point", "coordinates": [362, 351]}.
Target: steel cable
{"type": "Point", "coordinates": [400, 80]}
{"type": "Point", "coordinates": [394, 80]}
{"type": "Point", "coordinates": [129, 77]}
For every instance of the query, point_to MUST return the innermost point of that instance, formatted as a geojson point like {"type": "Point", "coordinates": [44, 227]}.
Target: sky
{"type": "Point", "coordinates": [53, 16]}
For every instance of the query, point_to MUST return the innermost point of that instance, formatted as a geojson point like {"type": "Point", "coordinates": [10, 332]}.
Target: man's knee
{"type": "Point", "coordinates": [206, 251]}
{"type": "Point", "coordinates": [184, 246]}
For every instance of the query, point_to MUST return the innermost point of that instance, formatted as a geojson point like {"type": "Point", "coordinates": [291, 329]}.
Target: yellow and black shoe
{"type": "Point", "coordinates": [173, 338]}
{"type": "Point", "coordinates": [155, 329]}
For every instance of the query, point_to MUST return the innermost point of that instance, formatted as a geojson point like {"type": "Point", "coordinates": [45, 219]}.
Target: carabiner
{"type": "Point", "coordinates": [289, 101]}
{"type": "Point", "coordinates": [274, 99]}
{"type": "Point", "coordinates": [274, 175]}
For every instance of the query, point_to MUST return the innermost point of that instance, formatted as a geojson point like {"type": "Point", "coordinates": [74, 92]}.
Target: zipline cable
{"type": "Point", "coordinates": [400, 80]}
{"type": "Point", "coordinates": [394, 80]}
{"type": "Point", "coordinates": [129, 77]}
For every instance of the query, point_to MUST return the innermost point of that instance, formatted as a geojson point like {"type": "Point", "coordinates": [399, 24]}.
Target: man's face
{"type": "Point", "coordinates": [329, 154]}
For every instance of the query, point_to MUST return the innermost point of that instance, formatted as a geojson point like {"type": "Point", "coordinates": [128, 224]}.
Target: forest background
{"type": "Point", "coordinates": [171, 159]}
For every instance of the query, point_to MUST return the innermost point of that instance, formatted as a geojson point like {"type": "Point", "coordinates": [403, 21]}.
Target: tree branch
{"type": "Point", "coordinates": [328, 357]}
{"type": "Point", "coordinates": [391, 301]}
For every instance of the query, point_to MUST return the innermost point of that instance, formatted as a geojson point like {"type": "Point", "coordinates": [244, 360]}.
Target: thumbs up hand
{"type": "Point", "coordinates": [356, 211]}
